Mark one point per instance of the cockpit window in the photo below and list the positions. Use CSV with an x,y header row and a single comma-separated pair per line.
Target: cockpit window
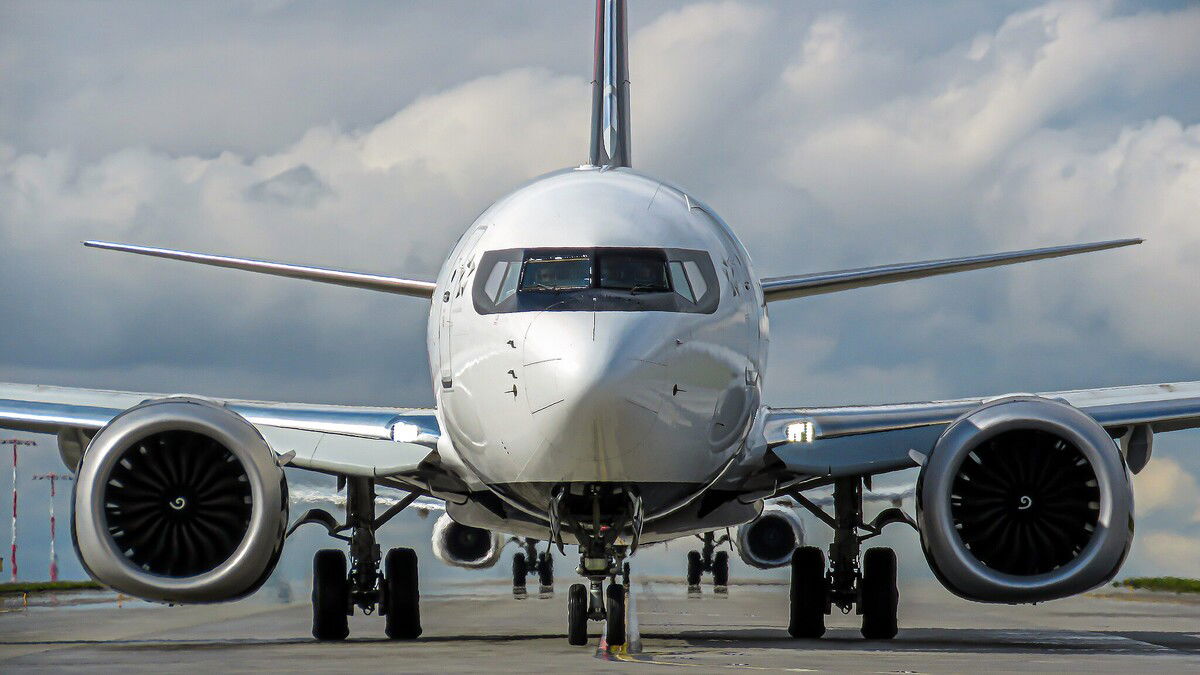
x,y
680,283
600,279
557,273
634,272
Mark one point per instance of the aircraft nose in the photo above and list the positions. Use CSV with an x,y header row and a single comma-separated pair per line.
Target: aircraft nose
x,y
594,385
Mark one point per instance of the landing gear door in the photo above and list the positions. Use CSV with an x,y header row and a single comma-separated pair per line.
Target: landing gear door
x,y
456,293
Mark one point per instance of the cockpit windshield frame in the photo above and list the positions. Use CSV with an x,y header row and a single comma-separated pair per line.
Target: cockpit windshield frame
x,y
606,279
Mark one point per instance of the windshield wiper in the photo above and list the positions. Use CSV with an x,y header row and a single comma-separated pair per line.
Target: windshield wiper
x,y
633,290
543,287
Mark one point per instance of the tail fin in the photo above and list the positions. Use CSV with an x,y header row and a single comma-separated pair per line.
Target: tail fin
x,y
610,87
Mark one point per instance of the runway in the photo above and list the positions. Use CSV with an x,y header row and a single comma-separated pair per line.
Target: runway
x,y
481,628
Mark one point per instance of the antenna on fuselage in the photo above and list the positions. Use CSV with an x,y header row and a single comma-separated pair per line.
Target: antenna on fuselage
x,y
610,87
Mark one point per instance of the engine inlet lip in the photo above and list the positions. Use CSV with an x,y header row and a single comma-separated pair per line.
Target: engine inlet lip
x,y
90,525
964,574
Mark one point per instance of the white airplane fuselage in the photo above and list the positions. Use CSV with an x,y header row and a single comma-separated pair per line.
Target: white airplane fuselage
x,y
566,394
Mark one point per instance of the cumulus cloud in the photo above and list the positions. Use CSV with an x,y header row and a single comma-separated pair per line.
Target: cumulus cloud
x,y
827,135
1165,485
1172,553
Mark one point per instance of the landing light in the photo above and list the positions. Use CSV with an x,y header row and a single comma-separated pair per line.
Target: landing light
x,y
801,432
403,432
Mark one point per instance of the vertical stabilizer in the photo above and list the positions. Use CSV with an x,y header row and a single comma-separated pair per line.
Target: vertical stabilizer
x,y
610,87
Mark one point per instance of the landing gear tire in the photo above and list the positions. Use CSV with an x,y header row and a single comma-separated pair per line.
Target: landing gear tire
x,y
809,590
330,596
577,614
694,568
625,574
615,617
402,595
520,570
721,569
879,595
545,568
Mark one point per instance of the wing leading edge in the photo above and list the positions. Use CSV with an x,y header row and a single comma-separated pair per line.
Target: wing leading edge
x,y
799,286
372,282
871,439
353,441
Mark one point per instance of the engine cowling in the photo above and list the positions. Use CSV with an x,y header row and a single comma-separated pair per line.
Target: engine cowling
x,y
768,540
465,546
1022,500
180,500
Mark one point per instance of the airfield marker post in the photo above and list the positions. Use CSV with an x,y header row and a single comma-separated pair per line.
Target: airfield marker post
x,y
14,442
53,478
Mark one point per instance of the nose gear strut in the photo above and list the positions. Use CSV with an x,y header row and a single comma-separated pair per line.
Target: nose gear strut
x,y
598,515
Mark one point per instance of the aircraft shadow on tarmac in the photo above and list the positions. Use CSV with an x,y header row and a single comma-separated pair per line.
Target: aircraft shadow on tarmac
x,y
920,640
1031,641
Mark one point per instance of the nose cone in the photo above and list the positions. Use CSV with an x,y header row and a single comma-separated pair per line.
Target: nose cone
x,y
595,383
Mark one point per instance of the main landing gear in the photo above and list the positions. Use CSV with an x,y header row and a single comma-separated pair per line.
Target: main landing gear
x,y
870,588
528,562
338,588
708,559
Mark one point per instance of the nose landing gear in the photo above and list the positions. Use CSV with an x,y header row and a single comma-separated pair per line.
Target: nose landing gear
x,y
707,559
595,602
871,588
600,556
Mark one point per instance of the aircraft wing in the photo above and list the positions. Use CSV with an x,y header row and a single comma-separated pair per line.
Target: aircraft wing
x,y
804,285
873,439
344,440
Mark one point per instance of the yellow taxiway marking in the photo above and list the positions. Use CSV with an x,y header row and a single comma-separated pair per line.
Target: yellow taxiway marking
x,y
620,653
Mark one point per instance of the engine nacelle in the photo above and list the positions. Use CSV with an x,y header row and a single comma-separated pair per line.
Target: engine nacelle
x,y
1024,499
180,500
465,546
768,540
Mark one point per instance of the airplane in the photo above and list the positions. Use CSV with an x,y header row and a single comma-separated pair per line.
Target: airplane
x,y
597,348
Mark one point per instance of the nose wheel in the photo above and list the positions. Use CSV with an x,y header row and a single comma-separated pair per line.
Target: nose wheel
x,y
596,601
577,615
601,558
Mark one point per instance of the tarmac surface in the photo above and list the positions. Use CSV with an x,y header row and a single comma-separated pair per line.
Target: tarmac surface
x,y
482,628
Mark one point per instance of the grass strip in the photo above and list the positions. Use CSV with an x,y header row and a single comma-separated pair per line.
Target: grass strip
x,y
43,586
1168,584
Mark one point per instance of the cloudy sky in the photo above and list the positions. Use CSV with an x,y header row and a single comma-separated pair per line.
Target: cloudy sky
x,y
367,136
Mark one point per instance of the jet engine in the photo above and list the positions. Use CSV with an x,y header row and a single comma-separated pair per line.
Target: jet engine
x,y
180,500
465,546
768,540
1024,499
